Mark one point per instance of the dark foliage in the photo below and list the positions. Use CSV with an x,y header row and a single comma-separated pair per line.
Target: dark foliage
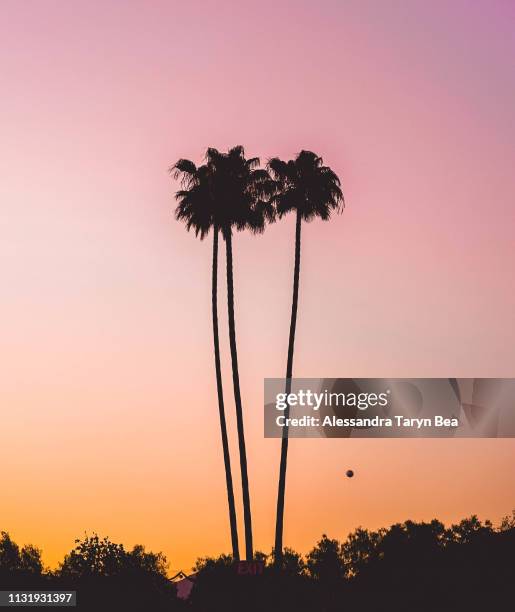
x,y
410,566
229,192
104,574
306,186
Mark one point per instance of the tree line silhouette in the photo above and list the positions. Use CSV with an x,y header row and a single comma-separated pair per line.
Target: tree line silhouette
x,y
231,193
408,566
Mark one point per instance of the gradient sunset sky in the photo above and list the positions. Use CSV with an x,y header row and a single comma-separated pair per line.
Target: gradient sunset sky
x,y
107,389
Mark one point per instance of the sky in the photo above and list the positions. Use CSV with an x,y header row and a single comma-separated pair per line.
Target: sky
x,y
107,389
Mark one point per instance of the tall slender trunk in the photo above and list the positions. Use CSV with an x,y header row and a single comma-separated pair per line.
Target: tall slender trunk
x,y
221,409
279,524
237,400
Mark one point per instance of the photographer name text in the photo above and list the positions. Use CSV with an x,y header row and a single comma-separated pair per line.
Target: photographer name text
x,y
394,421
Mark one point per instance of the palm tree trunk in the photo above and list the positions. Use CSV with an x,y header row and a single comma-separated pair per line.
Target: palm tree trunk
x,y
221,409
279,524
237,400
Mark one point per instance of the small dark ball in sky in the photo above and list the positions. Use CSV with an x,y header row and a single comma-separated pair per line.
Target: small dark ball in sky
x,y
349,473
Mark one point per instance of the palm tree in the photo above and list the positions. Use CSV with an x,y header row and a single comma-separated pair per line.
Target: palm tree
x,y
197,210
310,189
243,192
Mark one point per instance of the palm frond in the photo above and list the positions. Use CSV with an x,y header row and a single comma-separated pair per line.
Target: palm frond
x,y
253,162
306,185
236,151
183,168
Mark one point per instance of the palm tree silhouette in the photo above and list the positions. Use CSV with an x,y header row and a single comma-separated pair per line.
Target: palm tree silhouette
x,y
197,209
311,190
242,195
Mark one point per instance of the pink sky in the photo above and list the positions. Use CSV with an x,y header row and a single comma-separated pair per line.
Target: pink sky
x,y
107,387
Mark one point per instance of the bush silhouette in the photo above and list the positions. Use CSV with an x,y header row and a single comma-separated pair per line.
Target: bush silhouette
x,y
408,566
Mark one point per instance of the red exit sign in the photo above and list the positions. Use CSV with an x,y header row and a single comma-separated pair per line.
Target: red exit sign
x,y
249,568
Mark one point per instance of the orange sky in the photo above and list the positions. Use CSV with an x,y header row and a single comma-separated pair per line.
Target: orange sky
x,y
107,388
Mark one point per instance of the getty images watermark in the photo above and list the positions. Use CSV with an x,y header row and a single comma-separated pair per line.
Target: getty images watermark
x,y
390,407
